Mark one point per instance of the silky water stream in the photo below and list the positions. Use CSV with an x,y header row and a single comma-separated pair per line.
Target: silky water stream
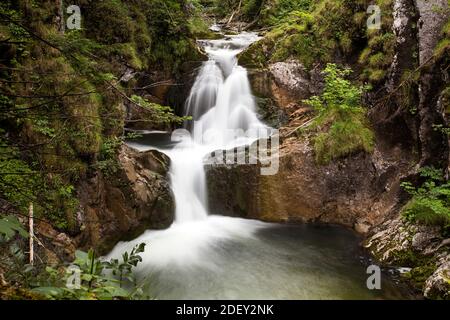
x,y
205,256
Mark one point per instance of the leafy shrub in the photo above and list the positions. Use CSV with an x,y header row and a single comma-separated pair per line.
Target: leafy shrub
x,y
99,280
277,10
341,122
9,226
160,114
430,203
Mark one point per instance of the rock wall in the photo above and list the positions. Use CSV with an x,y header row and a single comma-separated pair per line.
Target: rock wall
x,y
120,207
357,192
434,77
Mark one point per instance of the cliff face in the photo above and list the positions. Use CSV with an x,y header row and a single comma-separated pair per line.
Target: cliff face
x,y
407,137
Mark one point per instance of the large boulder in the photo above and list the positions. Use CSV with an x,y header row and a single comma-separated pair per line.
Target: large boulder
x,y
136,198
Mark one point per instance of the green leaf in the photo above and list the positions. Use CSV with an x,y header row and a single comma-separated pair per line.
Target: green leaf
x,y
49,291
10,225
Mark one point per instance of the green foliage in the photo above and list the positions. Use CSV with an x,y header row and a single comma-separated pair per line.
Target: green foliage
x,y
123,269
107,161
430,203
267,12
9,226
312,32
275,11
419,275
14,261
95,280
144,33
21,184
197,24
17,179
62,103
160,114
108,22
443,47
341,121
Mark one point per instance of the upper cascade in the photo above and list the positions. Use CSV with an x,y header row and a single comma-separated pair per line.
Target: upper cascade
x,y
221,99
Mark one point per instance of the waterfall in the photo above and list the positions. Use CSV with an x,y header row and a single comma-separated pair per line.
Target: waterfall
x,y
220,103
203,94
206,256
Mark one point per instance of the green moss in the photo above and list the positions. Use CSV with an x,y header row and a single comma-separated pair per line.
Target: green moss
x,y
127,53
419,275
108,22
408,258
254,56
376,75
446,99
377,60
442,47
377,57
312,32
343,138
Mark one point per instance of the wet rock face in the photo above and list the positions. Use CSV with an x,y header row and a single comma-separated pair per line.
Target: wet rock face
x,y
356,192
136,198
57,246
406,47
417,27
433,80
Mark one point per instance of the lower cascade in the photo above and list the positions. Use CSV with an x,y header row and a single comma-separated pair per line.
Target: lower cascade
x,y
205,256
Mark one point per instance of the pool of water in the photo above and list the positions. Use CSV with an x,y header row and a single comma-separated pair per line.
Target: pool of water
x,y
230,258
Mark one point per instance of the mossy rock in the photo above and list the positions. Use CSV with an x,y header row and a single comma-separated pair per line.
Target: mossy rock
x,y
419,275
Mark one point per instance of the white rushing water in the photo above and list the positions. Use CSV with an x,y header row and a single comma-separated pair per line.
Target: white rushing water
x,y
220,103
211,257
223,111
